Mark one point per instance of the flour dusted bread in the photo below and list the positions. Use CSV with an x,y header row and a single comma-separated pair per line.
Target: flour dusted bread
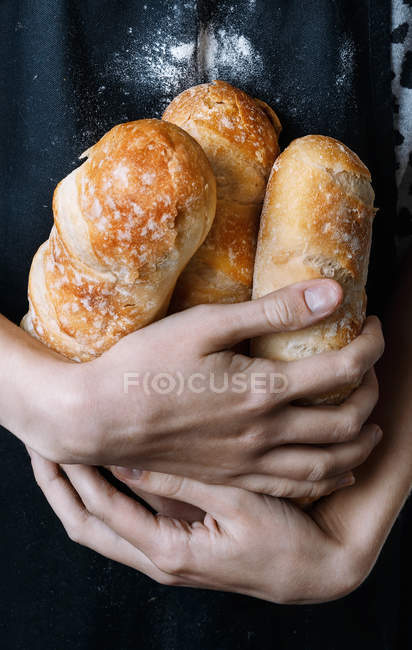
x,y
126,222
316,222
240,138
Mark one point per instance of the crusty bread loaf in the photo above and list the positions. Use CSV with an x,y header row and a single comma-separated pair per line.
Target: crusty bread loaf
x,y
240,138
126,222
316,222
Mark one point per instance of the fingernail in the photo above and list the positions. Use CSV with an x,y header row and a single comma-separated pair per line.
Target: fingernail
x,y
378,435
347,479
131,473
321,298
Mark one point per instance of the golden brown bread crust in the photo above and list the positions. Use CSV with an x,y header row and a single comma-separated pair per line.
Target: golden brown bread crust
x,y
240,138
126,223
316,222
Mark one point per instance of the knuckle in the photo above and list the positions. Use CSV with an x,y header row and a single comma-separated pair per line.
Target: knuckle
x,y
281,488
319,489
315,491
258,403
254,441
266,387
378,338
380,347
370,387
75,532
172,485
237,362
364,449
350,423
91,505
99,504
351,367
322,466
278,313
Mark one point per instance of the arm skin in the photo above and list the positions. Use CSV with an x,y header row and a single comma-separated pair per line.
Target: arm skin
x,y
384,482
36,394
249,543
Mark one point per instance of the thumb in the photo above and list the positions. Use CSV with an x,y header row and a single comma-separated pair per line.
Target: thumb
x,y
291,308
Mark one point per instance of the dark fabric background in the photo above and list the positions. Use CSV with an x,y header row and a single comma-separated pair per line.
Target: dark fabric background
x,y
67,75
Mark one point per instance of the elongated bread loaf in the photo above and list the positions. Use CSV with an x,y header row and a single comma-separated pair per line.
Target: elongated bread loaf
x,y
240,138
316,222
126,222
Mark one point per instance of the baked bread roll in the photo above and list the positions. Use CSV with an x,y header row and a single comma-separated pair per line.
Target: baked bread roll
x,y
125,224
316,222
240,138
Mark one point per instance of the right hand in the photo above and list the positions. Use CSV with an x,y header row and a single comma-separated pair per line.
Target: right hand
x,y
260,441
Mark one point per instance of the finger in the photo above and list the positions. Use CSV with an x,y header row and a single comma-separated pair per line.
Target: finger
x,y
81,526
168,507
293,307
214,499
311,463
104,501
330,371
285,488
329,424
169,543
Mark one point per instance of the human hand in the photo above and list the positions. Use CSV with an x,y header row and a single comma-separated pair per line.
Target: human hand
x,y
247,543
332,455
260,441
42,396
80,413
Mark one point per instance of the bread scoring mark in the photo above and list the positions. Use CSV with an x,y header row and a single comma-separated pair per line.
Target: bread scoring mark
x,y
239,139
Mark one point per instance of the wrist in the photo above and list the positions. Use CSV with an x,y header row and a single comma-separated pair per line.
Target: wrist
x,y
63,405
42,397
120,416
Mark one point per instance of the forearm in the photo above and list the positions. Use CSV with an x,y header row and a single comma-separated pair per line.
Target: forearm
x,y
34,389
385,480
392,464
394,409
17,353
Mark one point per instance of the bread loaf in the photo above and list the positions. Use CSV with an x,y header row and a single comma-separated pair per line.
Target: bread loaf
x,y
240,138
126,222
316,222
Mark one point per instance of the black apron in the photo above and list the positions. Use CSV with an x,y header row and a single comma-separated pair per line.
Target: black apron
x,y
69,70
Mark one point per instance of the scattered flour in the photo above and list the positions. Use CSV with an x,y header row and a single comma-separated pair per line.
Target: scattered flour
x,y
225,52
182,52
346,64
165,65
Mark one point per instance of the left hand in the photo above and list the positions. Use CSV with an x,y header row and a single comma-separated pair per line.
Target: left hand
x,y
247,543
355,453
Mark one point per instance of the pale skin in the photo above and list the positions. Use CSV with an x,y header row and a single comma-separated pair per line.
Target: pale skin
x,y
250,543
80,413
